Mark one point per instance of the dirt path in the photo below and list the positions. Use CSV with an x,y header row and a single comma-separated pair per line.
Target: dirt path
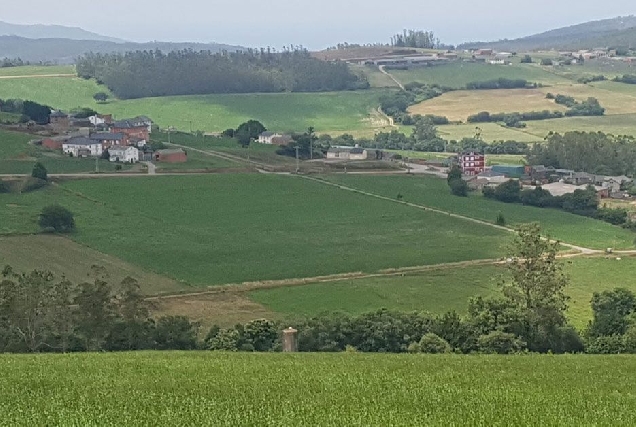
x,y
36,76
397,82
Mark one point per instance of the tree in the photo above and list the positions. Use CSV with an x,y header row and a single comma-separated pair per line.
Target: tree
x,y
100,97
508,192
527,59
501,220
57,219
175,333
611,312
498,342
454,174
248,131
95,313
537,288
459,187
39,171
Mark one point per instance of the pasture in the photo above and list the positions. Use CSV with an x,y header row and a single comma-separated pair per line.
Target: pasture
x,y
36,70
336,112
198,388
489,132
217,229
434,192
458,74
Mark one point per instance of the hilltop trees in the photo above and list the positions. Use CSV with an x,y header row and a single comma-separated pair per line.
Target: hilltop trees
x,y
415,38
153,73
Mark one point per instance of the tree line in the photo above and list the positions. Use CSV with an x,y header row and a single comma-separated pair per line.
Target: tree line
x,y
40,313
626,78
186,72
592,152
415,39
28,110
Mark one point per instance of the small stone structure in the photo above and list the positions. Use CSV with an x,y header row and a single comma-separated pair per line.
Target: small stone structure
x,y
290,340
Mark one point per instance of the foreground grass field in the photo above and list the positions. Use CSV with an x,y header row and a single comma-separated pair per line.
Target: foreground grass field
x,y
234,227
175,389
433,192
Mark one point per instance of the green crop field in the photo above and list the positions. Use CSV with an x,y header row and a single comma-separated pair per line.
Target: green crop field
x,y
459,74
489,132
433,192
208,230
336,112
176,389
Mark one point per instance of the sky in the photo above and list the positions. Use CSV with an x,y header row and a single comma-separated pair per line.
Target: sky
x,y
314,24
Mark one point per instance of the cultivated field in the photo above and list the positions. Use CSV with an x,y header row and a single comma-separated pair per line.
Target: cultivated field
x,y
433,192
175,389
488,131
210,230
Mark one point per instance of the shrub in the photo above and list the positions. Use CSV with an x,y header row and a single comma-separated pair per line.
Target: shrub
x,y
459,187
39,171
57,218
498,342
434,344
500,219
32,184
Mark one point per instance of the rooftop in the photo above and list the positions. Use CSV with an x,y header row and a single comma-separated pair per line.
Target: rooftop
x,y
80,140
107,136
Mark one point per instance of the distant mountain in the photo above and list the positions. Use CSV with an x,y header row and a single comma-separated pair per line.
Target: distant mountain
x,y
613,32
65,51
39,31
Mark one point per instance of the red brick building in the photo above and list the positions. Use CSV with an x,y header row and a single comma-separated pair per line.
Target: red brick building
x,y
131,130
52,144
472,163
171,156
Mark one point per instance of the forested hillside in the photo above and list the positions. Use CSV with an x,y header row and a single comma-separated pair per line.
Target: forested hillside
x,y
153,73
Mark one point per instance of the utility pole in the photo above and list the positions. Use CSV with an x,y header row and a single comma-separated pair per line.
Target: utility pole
x,y
297,161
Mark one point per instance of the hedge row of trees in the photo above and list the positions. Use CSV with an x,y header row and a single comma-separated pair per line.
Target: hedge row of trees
x,y
626,78
29,110
592,152
501,83
40,313
153,73
580,202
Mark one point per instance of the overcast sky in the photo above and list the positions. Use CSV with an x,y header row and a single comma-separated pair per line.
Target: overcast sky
x,y
314,24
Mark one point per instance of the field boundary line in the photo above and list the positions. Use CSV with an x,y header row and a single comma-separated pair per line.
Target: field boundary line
x,y
392,77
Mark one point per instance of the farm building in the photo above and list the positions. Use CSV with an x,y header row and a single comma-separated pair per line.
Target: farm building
x,y
131,129
82,147
511,171
274,138
353,153
171,156
59,120
126,154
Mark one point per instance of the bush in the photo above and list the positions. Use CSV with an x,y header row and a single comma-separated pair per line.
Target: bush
x,y
39,171
459,187
508,192
498,342
546,62
434,344
500,219
57,219
32,184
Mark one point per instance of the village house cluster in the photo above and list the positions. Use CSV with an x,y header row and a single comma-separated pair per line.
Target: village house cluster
x,y
122,141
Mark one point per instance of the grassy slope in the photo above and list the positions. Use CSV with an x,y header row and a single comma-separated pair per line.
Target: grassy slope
x,y
66,258
173,389
234,228
327,112
434,192
37,70
441,290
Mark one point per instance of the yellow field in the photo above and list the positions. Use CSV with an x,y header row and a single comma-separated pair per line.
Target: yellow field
x,y
458,105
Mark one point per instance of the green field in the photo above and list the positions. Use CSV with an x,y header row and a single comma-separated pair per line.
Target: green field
x,y
459,74
336,112
433,192
176,389
440,290
209,230
37,70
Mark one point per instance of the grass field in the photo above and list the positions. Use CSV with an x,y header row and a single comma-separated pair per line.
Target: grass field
x,y
175,389
489,132
458,74
208,230
37,70
336,112
433,192
623,124
440,290
66,258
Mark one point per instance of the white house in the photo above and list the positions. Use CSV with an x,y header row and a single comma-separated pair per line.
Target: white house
x,y
267,137
97,120
82,147
125,154
353,153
